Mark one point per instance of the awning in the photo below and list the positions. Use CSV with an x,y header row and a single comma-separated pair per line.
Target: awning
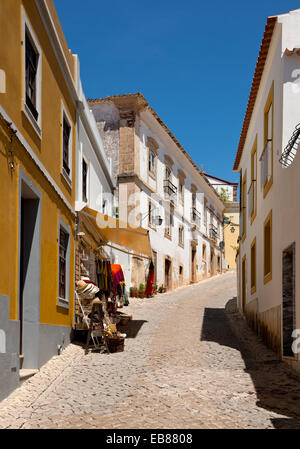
x,y
112,230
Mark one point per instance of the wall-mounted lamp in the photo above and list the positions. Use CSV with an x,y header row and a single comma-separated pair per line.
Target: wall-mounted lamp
x,y
13,132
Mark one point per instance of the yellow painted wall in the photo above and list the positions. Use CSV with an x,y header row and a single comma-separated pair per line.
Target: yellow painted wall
x,y
230,239
48,150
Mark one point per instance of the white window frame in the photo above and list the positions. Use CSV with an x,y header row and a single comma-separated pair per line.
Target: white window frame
x,y
64,302
64,114
181,196
152,214
168,220
181,227
36,124
84,158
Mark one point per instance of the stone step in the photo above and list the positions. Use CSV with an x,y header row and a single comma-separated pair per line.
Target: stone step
x,y
26,373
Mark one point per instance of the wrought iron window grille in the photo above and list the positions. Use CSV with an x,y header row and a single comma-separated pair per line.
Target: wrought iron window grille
x,y
289,153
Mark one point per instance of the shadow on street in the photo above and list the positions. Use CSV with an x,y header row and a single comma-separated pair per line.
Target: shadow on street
x,y
132,328
277,385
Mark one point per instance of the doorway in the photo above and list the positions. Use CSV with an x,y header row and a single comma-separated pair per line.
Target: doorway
x,y
29,271
193,263
288,300
204,259
168,280
212,262
244,283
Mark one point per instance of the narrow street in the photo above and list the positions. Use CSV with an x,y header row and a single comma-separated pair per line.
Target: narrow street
x,y
183,367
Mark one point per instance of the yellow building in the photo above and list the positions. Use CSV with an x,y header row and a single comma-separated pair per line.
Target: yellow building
x,y
37,194
231,233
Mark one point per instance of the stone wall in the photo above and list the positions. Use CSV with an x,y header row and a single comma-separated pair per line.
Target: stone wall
x,y
107,117
266,324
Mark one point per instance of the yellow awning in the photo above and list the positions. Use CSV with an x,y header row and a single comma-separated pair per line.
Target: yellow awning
x,y
112,230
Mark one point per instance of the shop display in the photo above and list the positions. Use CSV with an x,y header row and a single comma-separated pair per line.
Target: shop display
x,y
98,306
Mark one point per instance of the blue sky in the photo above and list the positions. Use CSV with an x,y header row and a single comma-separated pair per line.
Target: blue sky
x,y
192,60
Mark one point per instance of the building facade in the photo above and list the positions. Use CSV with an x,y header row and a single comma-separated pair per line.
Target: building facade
x,y
228,192
268,164
161,189
37,175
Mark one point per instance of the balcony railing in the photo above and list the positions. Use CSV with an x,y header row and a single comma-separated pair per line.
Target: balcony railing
x,y
170,190
195,216
266,161
251,197
213,232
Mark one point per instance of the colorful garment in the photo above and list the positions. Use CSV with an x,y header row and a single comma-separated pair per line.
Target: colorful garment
x,y
149,289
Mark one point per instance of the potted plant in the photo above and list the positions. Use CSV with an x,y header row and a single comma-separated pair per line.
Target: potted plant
x,y
155,288
142,291
162,289
133,292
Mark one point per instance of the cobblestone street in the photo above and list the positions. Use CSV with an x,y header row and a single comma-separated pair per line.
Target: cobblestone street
x,y
189,362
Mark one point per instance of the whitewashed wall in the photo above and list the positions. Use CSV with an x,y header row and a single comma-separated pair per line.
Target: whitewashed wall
x,y
182,214
283,196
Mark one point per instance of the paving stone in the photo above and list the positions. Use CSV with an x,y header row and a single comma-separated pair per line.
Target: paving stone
x,y
193,363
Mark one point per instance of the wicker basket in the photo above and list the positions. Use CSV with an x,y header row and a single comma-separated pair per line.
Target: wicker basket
x,y
115,344
124,320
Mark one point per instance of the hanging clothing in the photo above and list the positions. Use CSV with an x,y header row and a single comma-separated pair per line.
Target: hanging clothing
x,y
118,276
150,281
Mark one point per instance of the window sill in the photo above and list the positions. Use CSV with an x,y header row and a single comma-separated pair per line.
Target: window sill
x,y
168,236
181,245
63,303
253,290
267,278
26,111
66,177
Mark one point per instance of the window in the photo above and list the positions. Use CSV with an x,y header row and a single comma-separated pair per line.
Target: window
x,y
181,235
252,193
267,154
253,267
181,191
63,245
268,248
63,264
84,180
66,140
168,224
151,214
66,146
31,65
152,162
168,174
193,199
104,207
31,77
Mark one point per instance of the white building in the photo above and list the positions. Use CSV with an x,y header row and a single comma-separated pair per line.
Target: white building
x,y
223,187
228,192
156,178
269,167
95,188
